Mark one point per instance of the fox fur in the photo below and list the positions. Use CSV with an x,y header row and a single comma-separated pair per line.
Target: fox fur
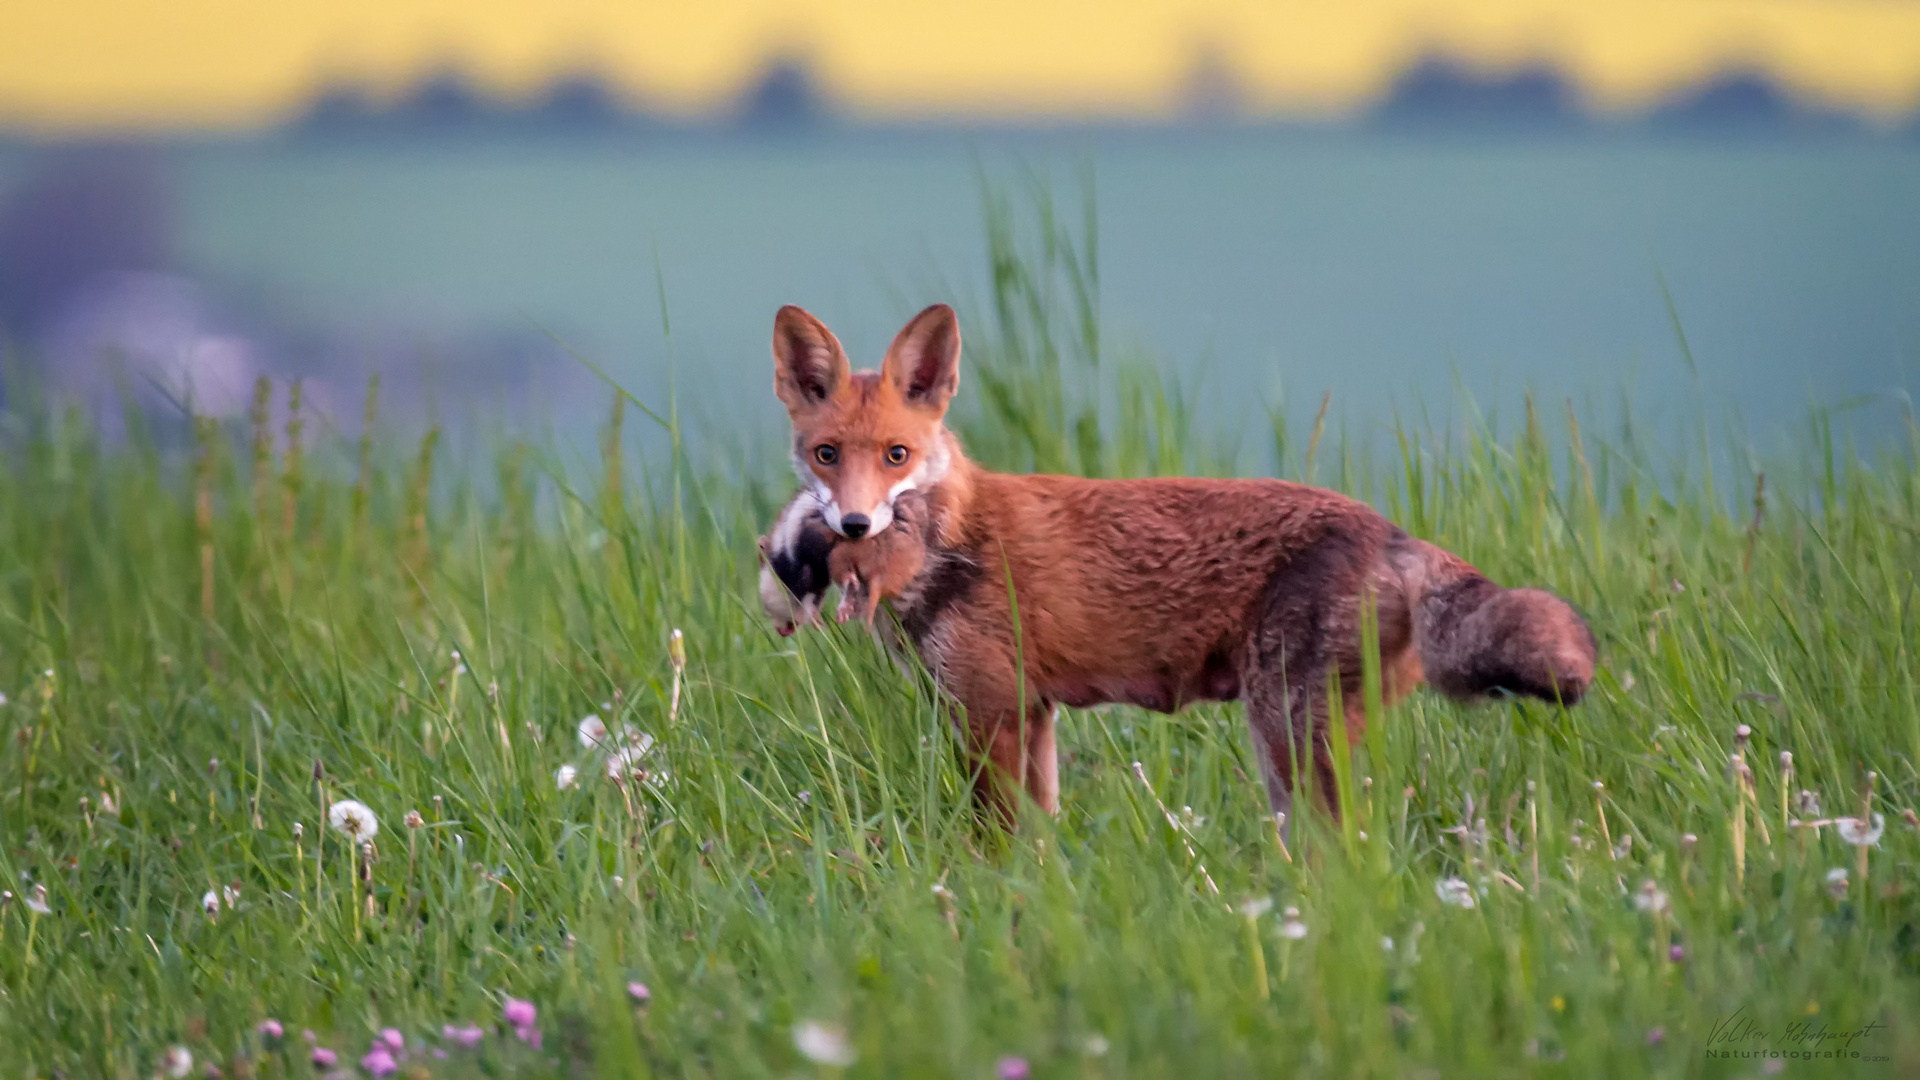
x,y
1156,592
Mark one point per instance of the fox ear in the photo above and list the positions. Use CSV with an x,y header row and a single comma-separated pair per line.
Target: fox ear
x,y
809,366
923,363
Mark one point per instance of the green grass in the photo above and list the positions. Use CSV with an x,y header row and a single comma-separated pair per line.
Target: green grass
x,y
786,867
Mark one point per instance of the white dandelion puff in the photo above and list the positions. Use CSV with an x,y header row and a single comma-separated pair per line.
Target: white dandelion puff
x,y
1859,832
414,819
1650,898
592,731
1807,803
1837,881
177,1061
1095,1045
823,1044
355,819
628,760
563,776
36,900
1454,891
1256,907
1291,927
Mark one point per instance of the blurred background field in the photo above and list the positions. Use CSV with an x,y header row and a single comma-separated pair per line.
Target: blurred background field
x,y
1390,201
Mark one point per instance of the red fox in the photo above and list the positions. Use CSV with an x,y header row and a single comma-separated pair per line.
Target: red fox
x,y
1157,593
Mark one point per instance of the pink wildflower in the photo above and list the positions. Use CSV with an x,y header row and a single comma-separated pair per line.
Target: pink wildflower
x,y
271,1029
1012,1068
638,991
394,1041
379,1061
324,1058
468,1036
518,1013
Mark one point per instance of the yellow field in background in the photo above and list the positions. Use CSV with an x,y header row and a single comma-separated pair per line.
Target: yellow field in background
x,y
77,64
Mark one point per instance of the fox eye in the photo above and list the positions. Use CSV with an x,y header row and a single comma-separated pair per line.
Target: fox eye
x,y
896,455
826,454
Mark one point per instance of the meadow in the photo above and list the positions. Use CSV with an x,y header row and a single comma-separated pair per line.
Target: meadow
x,y
212,633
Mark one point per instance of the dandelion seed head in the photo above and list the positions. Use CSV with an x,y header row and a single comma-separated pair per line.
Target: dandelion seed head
x,y
414,819
1254,907
36,900
1291,927
1454,891
564,776
1807,803
592,731
1095,1045
1860,832
1837,881
1651,898
355,819
177,1061
823,1044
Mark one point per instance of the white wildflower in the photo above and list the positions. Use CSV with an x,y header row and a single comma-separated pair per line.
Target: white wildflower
x,y
230,894
592,731
1257,906
1651,898
1386,943
1454,891
1095,1045
563,776
3,700
355,819
1291,927
823,1044
177,1061
36,900
109,806
211,902
1858,832
1837,881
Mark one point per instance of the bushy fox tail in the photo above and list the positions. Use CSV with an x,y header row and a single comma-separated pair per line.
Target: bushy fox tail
x,y
1476,638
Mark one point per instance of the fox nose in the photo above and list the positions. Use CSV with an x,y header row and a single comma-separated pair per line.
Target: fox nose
x,y
855,525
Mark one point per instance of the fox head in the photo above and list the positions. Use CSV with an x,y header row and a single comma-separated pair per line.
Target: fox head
x,y
862,439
